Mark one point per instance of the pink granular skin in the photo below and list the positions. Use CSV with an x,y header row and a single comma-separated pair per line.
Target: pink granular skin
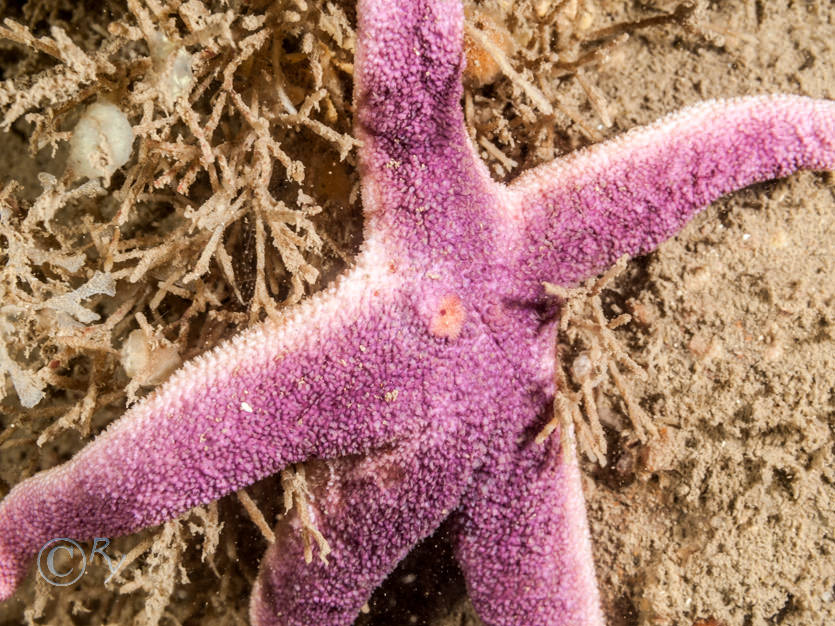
x,y
419,380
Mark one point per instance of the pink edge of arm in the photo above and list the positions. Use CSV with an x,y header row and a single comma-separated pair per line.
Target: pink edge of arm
x,y
627,195
422,180
278,393
523,541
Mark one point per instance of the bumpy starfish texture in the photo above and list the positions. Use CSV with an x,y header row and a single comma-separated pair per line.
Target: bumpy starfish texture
x,y
418,382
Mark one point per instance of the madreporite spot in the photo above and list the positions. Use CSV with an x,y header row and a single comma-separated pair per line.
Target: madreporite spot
x,y
448,318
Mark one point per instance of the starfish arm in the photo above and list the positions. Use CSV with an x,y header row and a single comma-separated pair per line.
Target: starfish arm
x,y
408,73
523,541
371,511
339,376
421,178
582,212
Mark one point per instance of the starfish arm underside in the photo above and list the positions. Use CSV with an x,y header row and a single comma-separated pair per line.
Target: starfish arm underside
x,y
626,196
421,178
339,376
372,511
523,541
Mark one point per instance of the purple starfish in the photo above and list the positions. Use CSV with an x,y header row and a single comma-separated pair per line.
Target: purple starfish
x,y
421,378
